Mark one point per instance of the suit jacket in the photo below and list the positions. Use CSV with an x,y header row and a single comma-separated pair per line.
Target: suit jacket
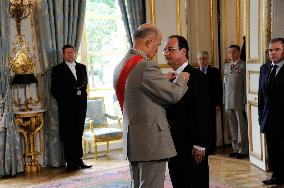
x,y
189,118
147,93
271,103
235,86
215,86
64,88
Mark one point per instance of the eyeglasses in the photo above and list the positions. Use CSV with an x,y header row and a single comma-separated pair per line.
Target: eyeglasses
x,y
169,49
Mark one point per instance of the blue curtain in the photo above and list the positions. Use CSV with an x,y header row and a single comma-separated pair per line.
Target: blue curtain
x,y
11,157
133,14
58,22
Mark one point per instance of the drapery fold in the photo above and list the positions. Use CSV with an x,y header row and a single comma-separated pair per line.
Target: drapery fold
x,y
59,22
11,156
133,14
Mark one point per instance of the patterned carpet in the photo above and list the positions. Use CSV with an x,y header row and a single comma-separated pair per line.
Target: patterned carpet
x,y
114,178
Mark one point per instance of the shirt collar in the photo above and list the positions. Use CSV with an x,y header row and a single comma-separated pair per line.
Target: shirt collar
x,y
180,69
143,54
235,62
279,64
205,68
70,64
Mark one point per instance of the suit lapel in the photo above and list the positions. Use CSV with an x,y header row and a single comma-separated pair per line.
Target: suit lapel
x,y
268,69
208,72
277,77
280,72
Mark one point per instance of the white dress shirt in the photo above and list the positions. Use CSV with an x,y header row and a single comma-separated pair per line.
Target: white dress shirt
x,y
72,68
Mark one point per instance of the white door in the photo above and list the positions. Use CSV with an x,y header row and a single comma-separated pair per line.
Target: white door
x,y
257,38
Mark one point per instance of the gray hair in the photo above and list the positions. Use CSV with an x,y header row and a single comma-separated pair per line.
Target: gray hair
x,y
142,33
277,40
203,53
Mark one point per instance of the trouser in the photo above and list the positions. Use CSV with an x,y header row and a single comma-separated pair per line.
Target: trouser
x,y
238,129
185,173
148,174
71,122
275,149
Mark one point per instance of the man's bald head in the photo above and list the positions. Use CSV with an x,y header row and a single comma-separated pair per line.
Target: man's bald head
x,y
147,38
145,30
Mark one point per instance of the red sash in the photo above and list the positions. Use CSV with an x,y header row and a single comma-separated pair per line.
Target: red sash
x,y
120,86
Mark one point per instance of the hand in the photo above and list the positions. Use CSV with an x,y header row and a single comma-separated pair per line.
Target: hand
x,y
198,155
218,108
171,76
185,76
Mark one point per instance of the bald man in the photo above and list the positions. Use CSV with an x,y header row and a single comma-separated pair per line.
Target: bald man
x,y
143,93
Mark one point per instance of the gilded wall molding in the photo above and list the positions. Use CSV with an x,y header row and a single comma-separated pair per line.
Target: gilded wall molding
x,y
252,152
152,12
249,59
238,25
250,91
271,16
186,19
224,28
178,17
212,32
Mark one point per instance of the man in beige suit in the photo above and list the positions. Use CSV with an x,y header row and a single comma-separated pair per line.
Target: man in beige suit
x,y
235,102
143,93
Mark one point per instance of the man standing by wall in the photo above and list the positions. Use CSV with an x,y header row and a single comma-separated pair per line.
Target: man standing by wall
x,y
189,121
215,91
143,93
235,102
271,108
68,86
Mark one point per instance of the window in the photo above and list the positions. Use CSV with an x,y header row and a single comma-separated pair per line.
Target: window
x,y
104,44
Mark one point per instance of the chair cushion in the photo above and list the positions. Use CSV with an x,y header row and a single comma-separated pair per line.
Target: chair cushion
x,y
104,134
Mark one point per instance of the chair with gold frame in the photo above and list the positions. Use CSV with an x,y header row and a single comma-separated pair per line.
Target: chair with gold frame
x,y
97,127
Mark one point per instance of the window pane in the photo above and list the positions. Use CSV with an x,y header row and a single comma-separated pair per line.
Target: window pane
x,y
100,70
100,8
101,34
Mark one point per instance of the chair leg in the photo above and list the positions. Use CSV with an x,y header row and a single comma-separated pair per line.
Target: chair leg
x,y
107,150
96,150
90,146
85,145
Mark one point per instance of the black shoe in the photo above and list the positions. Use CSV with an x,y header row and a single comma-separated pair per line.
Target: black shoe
x,y
242,156
71,167
83,165
272,180
233,154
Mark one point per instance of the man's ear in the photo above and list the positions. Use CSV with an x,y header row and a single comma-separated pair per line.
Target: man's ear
x,y
148,43
183,50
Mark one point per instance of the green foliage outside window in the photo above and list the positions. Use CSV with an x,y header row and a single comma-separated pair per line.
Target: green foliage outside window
x,y
104,40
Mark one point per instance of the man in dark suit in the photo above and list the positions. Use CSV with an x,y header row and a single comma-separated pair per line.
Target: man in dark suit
x,y
189,120
271,107
68,86
215,90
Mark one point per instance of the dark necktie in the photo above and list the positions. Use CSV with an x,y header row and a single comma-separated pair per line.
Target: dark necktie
x,y
203,70
232,66
272,76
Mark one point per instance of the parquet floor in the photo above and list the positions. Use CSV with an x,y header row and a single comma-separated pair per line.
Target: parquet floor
x,y
233,172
